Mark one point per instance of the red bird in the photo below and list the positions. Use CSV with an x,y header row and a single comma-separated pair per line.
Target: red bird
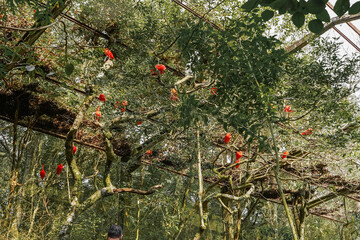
x,y
122,109
161,68
139,123
174,97
59,169
285,154
74,149
42,173
288,108
213,90
102,97
238,165
227,138
98,114
307,132
238,155
148,152
109,53
174,94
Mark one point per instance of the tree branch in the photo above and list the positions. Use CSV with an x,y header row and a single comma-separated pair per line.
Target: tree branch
x,y
29,29
137,191
31,36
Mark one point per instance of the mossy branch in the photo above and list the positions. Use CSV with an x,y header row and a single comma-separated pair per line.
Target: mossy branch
x,y
70,137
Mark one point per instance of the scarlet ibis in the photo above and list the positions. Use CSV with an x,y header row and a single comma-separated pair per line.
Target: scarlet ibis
x,y
161,68
109,53
227,138
42,173
59,168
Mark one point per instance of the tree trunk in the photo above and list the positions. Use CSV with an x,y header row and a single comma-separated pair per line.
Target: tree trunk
x,y
227,219
238,221
283,199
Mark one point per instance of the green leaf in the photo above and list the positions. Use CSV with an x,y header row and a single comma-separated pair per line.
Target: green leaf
x,y
298,19
293,5
315,6
316,26
250,4
283,9
323,16
341,6
267,15
332,187
69,68
277,4
355,8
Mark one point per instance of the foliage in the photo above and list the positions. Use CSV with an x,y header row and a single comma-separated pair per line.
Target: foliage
x,y
299,9
254,78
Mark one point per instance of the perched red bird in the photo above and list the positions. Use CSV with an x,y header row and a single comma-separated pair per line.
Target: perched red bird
x,y
98,114
307,132
109,53
102,97
288,108
42,172
139,123
161,68
238,155
59,169
74,149
174,95
148,152
285,154
213,90
238,165
227,138
122,109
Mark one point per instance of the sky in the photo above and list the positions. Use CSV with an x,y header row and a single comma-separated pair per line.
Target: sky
x,y
351,34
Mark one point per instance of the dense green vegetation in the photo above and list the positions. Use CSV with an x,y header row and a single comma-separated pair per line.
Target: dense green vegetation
x,y
154,156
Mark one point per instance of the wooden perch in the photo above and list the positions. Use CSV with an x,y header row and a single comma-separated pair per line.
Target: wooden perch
x,y
328,197
125,118
137,191
183,80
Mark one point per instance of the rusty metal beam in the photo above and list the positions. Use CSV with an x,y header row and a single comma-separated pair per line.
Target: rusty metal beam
x,y
348,23
201,17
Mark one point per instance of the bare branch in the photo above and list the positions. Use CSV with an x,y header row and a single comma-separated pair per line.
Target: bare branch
x,y
137,191
183,80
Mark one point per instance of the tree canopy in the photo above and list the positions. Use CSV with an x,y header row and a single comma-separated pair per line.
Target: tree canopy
x,y
177,120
